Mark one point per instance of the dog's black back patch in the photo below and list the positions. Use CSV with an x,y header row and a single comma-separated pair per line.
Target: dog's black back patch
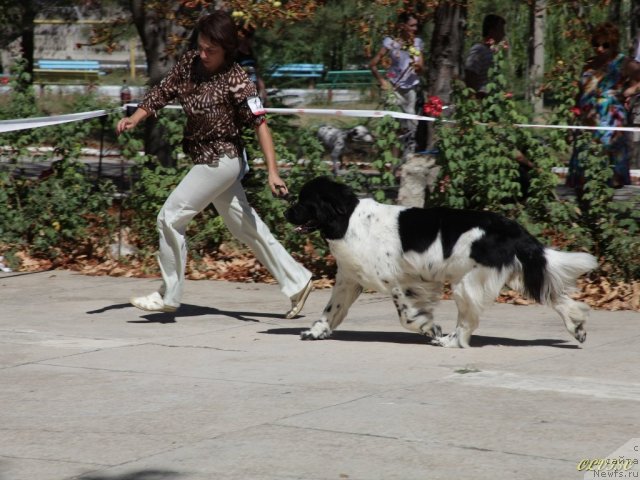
x,y
502,242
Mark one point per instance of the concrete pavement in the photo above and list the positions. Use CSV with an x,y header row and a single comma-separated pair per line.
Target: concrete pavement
x,y
93,389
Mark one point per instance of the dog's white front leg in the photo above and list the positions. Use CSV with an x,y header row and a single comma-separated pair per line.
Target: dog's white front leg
x,y
344,293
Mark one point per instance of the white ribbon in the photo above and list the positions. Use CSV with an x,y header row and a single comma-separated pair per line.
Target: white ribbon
x,y
409,116
37,122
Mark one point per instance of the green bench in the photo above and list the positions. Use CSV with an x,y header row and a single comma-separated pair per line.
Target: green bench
x,y
66,71
292,73
349,79
297,70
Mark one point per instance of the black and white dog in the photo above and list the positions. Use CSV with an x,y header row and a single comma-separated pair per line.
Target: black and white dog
x,y
409,252
338,141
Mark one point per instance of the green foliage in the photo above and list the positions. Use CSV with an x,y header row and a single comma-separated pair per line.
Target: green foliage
x,y
387,150
21,104
51,217
65,212
479,150
610,226
479,171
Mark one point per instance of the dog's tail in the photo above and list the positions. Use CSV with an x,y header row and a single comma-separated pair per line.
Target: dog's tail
x,y
547,273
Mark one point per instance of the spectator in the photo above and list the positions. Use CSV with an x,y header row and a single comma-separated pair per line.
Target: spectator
x,y
480,58
403,75
634,112
604,89
476,76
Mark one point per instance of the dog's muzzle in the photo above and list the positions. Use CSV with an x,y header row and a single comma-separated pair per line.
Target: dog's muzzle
x,y
301,226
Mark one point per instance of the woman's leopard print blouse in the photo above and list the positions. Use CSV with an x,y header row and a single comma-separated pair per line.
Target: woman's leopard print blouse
x,y
215,105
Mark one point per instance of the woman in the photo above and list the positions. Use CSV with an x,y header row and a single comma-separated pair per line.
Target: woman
x,y
403,75
603,92
219,101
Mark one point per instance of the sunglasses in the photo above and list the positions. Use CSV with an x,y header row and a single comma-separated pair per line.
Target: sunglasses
x,y
604,45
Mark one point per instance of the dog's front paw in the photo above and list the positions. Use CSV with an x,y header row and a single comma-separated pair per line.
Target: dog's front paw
x,y
318,331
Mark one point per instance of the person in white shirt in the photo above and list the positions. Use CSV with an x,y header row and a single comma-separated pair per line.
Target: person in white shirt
x,y
403,75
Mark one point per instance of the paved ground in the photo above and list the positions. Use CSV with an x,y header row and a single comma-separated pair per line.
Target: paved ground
x,y
93,389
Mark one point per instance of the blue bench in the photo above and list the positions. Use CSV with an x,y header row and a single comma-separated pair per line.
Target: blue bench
x,y
297,70
64,71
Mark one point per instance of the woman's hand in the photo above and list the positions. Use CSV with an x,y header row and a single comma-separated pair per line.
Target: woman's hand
x,y
278,187
385,86
126,123
631,91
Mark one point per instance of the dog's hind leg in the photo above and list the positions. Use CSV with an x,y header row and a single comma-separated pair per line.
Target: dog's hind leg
x,y
415,305
468,320
472,293
344,293
574,314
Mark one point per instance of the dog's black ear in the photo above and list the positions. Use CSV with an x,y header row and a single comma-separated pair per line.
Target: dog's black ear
x,y
339,198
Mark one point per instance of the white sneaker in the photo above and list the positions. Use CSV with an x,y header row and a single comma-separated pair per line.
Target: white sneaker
x,y
152,303
297,301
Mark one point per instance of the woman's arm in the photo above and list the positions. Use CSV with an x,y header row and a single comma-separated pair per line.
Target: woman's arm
x,y
277,186
632,74
157,97
373,66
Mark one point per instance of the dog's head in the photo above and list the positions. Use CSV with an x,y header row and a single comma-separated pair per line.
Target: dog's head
x,y
323,204
360,134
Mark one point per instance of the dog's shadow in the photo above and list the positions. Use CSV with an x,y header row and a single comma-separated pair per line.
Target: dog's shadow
x,y
188,310
415,339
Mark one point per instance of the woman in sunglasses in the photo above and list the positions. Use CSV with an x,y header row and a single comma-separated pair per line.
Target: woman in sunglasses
x,y
607,79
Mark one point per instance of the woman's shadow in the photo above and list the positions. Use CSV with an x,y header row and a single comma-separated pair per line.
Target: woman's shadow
x,y
188,310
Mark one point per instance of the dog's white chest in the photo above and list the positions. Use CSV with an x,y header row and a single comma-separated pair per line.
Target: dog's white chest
x,y
370,258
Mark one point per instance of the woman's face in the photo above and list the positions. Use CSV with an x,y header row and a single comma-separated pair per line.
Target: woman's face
x,y
602,47
410,28
211,54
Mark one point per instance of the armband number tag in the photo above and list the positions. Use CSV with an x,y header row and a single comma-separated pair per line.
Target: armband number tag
x,y
255,104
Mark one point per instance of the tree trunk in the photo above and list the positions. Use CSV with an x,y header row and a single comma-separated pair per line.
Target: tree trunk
x,y
634,21
615,11
537,22
443,66
156,28
27,39
447,43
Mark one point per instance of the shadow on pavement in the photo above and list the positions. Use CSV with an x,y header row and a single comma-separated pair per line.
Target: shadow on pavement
x,y
140,475
117,306
414,338
187,310
359,336
481,341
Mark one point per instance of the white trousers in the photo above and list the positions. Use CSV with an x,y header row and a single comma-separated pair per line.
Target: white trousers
x,y
220,185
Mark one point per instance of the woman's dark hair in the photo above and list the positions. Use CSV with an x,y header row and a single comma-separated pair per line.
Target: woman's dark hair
x,y
404,17
218,27
606,32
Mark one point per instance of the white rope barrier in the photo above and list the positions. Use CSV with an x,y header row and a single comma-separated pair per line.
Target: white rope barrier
x,y
409,116
37,122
